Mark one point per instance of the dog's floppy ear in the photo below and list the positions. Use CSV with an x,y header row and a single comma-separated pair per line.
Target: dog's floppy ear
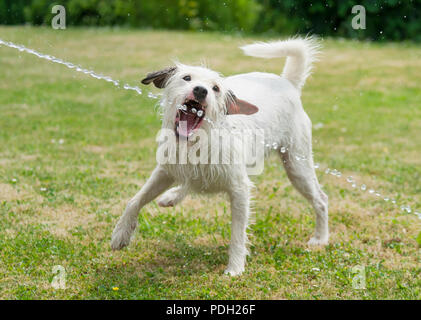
x,y
159,78
238,106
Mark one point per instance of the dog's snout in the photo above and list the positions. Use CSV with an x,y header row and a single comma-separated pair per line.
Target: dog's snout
x,y
200,92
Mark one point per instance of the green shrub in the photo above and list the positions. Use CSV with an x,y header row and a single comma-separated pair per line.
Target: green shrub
x,y
386,19
232,15
11,11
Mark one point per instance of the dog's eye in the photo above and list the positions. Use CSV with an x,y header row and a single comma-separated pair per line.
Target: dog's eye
x,y
215,88
187,78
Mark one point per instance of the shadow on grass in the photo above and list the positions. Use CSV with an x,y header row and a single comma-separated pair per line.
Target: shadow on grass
x,y
162,274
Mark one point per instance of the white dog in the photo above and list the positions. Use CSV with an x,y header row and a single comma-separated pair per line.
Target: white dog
x,y
252,100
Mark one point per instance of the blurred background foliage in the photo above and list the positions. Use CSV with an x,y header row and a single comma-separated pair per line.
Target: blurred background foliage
x,y
386,20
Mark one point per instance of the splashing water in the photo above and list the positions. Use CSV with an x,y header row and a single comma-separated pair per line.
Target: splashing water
x,y
77,68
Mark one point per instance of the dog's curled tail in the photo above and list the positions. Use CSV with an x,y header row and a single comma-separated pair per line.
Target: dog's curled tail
x,y
300,53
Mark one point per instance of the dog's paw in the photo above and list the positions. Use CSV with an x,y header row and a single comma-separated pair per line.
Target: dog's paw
x,y
119,240
121,236
233,272
318,241
168,199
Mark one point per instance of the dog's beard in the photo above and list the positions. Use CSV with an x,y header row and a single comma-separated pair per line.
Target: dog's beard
x,y
189,118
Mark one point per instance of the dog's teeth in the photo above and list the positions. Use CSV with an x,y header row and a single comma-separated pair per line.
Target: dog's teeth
x,y
193,110
200,113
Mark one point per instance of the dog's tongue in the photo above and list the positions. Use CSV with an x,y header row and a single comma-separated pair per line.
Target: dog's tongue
x,y
186,124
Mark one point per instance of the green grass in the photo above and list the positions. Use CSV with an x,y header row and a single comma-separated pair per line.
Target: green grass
x,y
59,202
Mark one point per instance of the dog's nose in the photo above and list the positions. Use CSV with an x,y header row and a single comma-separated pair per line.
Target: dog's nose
x,y
200,93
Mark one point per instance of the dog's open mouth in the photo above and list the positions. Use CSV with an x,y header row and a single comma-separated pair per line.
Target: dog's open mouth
x,y
189,118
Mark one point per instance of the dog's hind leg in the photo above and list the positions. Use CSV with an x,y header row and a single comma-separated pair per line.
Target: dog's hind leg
x,y
173,196
157,183
240,211
301,173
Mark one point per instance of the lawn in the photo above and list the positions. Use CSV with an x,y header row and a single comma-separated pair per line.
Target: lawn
x,y
74,150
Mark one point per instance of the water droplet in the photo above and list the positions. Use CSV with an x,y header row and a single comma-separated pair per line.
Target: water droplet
x,y
274,146
371,191
152,96
363,187
283,149
350,179
318,126
354,185
208,120
316,165
327,170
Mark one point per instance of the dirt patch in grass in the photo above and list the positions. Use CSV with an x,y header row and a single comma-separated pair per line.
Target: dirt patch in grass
x,y
8,193
61,221
12,193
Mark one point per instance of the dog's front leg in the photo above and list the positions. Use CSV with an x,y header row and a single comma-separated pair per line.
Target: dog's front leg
x,y
158,182
240,210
